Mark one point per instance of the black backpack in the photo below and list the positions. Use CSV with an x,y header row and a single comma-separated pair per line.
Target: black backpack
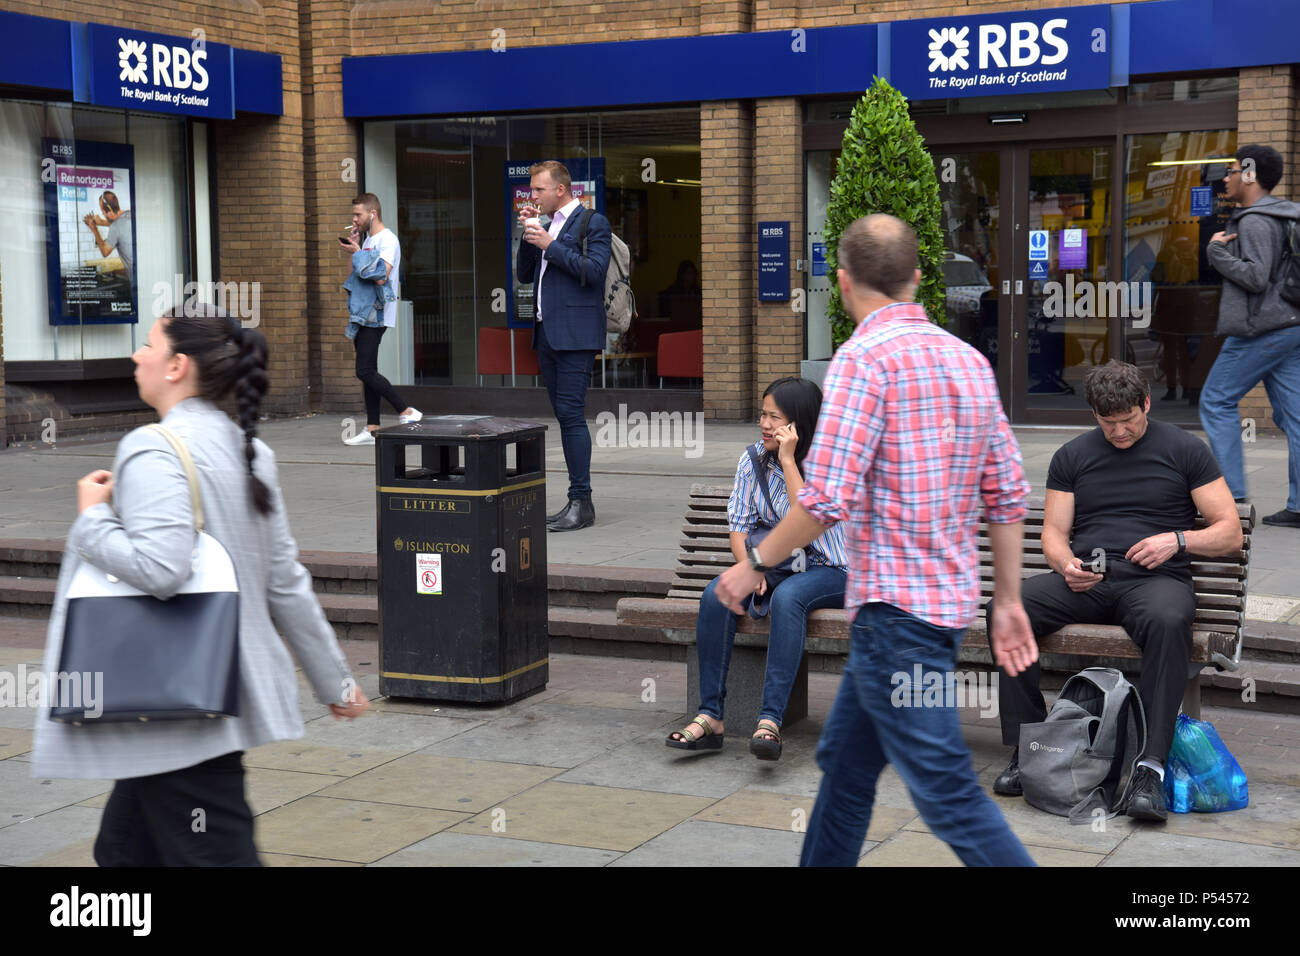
x,y
1288,268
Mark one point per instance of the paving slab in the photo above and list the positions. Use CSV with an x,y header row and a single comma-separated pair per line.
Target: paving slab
x,y
23,796
446,783
783,811
1155,847
698,843
26,842
310,758
605,818
14,741
551,735
1271,819
349,830
463,849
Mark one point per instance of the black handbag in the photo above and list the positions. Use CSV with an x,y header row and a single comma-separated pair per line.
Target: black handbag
x,y
137,658
758,605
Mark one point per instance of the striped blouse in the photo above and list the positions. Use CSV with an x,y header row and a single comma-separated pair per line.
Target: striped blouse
x,y
747,507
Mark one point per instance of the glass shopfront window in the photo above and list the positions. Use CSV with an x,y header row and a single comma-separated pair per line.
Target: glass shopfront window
x,y
94,223
452,183
1173,204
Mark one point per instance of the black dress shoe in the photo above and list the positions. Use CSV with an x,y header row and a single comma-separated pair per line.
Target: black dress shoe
x,y
551,519
1008,782
1146,801
1284,519
579,513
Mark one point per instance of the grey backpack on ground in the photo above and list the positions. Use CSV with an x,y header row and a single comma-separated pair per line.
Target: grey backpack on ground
x,y
1083,757
620,303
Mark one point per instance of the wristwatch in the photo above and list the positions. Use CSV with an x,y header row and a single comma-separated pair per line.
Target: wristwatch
x,y
1182,542
756,563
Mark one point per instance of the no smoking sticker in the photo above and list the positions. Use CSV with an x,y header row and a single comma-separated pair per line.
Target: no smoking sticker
x,y
428,573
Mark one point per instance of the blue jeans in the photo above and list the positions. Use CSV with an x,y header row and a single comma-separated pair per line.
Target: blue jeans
x,y
715,633
865,731
1274,358
566,374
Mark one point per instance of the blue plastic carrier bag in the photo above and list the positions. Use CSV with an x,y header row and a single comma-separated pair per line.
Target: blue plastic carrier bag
x,y
1201,776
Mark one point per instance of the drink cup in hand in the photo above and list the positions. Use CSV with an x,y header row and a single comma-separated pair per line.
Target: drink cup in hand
x,y
533,221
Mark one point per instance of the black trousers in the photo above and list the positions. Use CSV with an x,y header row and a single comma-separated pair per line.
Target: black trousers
x,y
374,385
196,816
1156,609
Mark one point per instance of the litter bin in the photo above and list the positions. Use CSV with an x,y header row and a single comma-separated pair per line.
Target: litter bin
x,y
462,558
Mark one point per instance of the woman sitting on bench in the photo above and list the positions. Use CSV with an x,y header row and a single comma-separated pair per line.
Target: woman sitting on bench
x,y
814,579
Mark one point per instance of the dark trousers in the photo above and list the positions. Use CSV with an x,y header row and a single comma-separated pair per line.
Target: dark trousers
x,y
196,816
566,374
1156,609
374,385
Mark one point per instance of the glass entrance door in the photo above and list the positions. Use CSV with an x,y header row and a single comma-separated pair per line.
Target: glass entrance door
x,y
1073,302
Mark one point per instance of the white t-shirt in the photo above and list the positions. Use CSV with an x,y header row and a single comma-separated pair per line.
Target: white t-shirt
x,y
390,251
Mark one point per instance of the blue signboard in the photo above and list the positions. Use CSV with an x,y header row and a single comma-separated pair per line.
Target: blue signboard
x,y
134,70
1037,271
1043,51
819,258
1038,245
1202,201
773,261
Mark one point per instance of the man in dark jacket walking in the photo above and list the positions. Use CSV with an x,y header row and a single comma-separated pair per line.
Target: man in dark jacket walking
x,y
1261,329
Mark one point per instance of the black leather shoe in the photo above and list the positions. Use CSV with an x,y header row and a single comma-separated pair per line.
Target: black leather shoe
x,y
1146,801
1284,519
578,514
1008,782
551,519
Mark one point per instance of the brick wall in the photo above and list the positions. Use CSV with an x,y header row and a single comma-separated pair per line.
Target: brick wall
x,y
727,253
1266,113
778,194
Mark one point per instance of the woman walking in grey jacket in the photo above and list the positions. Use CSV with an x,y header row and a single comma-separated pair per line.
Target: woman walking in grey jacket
x,y
136,523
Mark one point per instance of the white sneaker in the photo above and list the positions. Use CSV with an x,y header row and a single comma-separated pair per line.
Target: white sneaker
x,y
415,416
363,437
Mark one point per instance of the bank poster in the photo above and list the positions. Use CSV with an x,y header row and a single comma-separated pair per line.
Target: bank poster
x,y
588,188
90,234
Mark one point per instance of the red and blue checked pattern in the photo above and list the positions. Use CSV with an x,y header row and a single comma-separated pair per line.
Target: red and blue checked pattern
x,y
911,441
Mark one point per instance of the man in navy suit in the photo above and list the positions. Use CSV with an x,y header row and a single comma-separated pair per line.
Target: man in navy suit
x,y
569,329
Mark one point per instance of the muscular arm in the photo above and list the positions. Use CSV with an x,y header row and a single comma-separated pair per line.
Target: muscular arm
x,y
1222,532
1058,521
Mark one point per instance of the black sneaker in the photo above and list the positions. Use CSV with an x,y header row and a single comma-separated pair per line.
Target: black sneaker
x,y
1284,519
1146,801
1008,782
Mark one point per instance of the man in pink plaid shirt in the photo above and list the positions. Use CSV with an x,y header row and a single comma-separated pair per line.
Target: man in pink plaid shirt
x,y
911,442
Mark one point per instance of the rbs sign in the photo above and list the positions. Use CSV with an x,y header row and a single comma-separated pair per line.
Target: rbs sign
x,y
147,71
1023,52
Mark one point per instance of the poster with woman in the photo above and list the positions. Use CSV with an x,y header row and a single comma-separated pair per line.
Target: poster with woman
x,y
90,231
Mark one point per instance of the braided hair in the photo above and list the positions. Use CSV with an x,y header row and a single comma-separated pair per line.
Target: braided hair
x,y
231,360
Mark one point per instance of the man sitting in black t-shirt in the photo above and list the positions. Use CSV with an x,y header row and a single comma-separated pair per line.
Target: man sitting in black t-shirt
x,y
1120,501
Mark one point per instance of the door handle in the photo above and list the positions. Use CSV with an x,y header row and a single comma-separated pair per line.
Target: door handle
x,y
1020,287
1006,286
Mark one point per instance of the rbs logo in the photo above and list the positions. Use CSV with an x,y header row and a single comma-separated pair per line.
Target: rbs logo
x,y
1024,45
173,66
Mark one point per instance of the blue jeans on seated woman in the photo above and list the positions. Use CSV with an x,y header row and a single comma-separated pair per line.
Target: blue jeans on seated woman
x,y
715,632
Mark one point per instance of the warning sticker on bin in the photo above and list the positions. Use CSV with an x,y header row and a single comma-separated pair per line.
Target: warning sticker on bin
x,y
428,573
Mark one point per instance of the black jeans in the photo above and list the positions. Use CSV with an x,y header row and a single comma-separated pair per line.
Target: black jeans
x,y
374,385
196,816
1156,609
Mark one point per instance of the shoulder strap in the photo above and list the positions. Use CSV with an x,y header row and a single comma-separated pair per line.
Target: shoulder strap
x,y
187,463
760,476
584,218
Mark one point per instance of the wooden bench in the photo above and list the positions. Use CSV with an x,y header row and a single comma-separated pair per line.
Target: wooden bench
x,y
706,552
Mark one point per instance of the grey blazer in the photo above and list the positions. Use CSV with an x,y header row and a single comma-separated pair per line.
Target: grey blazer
x,y
145,539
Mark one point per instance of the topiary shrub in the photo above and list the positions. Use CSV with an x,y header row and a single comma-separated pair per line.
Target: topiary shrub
x,y
883,167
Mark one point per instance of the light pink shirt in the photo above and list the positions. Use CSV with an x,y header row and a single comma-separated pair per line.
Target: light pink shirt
x,y
557,223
